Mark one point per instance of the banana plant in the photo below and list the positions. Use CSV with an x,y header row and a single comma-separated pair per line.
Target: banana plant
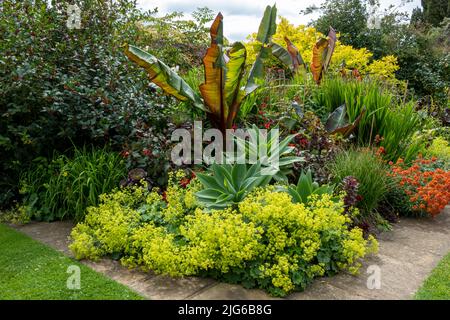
x,y
338,121
227,83
321,58
290,56
322,53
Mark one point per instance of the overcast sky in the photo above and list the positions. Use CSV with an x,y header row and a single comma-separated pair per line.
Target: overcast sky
x,y
242,17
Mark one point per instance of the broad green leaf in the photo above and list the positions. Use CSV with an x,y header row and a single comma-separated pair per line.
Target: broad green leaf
x,y
220,173
281,54
294,194
234,74
256,77
337,119
164,77
268,26
267,29
343,127
289,160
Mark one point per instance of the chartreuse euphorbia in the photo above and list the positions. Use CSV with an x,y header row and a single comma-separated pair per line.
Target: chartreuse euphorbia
x,y
226,81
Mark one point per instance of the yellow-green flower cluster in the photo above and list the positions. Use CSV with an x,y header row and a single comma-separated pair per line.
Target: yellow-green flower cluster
x,y
217,240
268,241
107,228
179,199
439,149
307,233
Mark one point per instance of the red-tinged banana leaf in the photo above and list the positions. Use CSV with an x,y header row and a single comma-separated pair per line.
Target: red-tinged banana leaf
x,y
267,29
164,77
281,54
337,121
235,71
296,58
290,58
331,45
212,89
318,58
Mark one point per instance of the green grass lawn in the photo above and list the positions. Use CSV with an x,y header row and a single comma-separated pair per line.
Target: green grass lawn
x,y
437,286
31,270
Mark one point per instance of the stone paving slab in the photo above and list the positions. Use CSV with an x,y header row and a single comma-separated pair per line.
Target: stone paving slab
x,y
225,291
407,255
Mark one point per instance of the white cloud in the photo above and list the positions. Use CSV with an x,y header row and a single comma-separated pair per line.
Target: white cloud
x,y
242,17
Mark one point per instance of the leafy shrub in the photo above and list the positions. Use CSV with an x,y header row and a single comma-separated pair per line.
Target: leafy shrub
x,y
306,188
64,86
425,184
267,241
304,38
65,187
181,42
369,170
316,146
440,149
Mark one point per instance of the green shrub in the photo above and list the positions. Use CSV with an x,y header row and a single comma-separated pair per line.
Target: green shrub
x,y
267,241
369,170
63,86
305,188
439,148
65,187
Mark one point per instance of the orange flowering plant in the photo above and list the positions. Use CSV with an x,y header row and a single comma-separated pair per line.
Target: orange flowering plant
x,y
425,183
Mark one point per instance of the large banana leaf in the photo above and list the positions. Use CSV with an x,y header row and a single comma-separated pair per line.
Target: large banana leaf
x,y
268,26
322,53
290,57
331,45
281,54
212,89
318,58
267,29
235,71
164,77
296,58
338,121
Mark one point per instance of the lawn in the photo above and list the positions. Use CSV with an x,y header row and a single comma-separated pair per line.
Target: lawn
x,y
437,286
31,270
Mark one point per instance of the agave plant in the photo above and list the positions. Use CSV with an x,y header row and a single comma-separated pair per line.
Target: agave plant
x,y
229,184
275,159
307,187
226,82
